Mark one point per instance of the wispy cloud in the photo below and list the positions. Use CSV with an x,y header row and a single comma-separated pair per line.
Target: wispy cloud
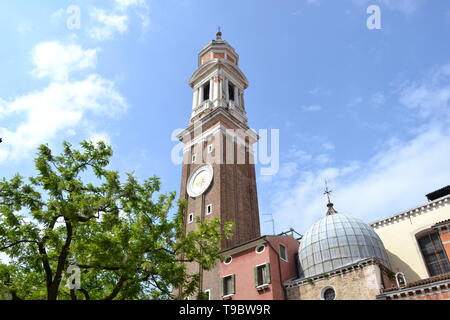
x,y
107,23
404,6
403,169
62,106
56,61
312,108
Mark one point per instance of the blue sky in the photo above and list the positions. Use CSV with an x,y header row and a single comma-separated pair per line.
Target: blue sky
x,y
366,109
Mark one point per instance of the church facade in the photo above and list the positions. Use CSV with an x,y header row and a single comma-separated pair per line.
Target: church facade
x,y
404,256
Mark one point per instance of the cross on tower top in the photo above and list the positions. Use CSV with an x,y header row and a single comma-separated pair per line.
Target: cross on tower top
x,y
219,33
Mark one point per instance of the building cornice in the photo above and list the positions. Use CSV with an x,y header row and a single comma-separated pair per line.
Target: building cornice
x,y
206,68
412,212
210,116
240,139
244,246
337,272
418,289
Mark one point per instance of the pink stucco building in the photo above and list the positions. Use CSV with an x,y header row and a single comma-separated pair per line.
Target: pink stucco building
x,y
256,270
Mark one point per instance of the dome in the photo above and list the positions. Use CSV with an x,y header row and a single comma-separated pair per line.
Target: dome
x,y
338,240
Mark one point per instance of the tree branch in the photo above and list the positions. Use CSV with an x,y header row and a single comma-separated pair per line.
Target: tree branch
x,y
16,243
53,292
117,288
155,282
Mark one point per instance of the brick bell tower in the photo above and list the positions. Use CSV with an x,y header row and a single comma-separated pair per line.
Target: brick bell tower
x,y
218,175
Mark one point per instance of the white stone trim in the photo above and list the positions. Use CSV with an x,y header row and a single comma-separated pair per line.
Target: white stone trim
x,y
412,212
334,273
285,252
209,293
189,218
396,295
260,245
231,257
211,210
220,128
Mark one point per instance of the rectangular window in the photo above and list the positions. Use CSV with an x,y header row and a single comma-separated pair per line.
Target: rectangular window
x,y
283,254
228,285
434,254
230,91
206,88
209,209
194,157
262,274
207,295
210,148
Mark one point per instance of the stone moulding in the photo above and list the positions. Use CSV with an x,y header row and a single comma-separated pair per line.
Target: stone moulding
x,y
355,266
412,212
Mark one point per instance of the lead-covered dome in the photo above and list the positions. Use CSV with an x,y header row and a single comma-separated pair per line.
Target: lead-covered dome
x,y
338,240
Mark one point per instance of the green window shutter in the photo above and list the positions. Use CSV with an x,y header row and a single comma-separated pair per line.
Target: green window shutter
x,y
233,284
255,269
222,286
268,278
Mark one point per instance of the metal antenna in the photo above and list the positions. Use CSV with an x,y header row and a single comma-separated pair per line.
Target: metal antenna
x,y
271,220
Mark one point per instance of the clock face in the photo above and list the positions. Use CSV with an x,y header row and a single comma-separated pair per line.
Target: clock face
x,y
200,180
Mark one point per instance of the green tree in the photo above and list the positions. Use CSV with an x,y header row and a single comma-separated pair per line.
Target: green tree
x,y
118,234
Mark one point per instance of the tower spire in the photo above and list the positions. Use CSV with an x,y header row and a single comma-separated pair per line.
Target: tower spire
x,y
219,33
331,209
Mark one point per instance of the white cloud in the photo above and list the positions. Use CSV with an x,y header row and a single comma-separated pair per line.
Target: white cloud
x,y
57,61
62,107
109,23
24,28
403,6
430,98
394,179
311,108
96,137
390,182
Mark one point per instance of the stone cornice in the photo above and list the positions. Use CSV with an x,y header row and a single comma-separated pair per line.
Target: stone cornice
x,y
209,117
352,267
412,212
206,68
253,137
417,291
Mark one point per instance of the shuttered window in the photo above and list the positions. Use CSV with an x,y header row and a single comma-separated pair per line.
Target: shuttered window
x,y
283,254
262,274
228,285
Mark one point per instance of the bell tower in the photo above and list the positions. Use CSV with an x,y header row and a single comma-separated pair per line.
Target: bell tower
x,y
218,175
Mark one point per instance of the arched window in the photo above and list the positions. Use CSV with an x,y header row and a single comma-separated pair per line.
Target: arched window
x,y
401,279
433,253
231,91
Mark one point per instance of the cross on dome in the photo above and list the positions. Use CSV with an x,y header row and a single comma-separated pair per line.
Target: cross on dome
x,y
331,209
